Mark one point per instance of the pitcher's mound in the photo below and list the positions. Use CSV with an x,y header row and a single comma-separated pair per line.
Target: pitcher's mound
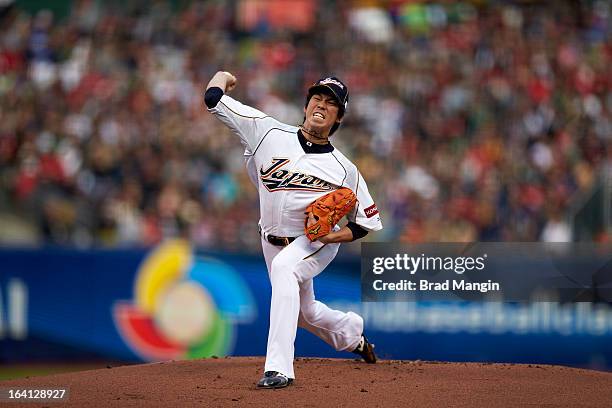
x,y
331,383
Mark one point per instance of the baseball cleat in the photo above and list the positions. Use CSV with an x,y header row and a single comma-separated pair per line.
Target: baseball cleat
x,y
366,350
273,380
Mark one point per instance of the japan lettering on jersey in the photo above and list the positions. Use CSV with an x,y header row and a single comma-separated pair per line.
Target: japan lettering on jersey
x,y
288,178
276,178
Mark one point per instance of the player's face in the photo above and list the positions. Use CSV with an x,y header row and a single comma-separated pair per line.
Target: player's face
x,y
321,112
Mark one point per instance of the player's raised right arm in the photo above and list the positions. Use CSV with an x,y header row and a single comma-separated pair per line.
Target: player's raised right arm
x,y
243,120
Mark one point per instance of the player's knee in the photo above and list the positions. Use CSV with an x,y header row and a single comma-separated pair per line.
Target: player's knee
x,y
302,322
298,275
308,312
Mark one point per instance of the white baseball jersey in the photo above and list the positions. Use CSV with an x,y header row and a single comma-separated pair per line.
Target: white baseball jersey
x,y
291,172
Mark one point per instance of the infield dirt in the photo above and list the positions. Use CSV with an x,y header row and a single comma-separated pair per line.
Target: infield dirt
x,y
329,383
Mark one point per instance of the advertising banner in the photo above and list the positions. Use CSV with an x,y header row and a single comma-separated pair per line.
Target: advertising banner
x,y
173,302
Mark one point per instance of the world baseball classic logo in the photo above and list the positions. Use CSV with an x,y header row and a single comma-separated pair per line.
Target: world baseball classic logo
x,y
184,306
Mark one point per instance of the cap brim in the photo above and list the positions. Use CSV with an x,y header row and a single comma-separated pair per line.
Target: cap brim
x,y
312,90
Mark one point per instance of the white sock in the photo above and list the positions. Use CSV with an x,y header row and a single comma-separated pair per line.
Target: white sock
x,y
361,344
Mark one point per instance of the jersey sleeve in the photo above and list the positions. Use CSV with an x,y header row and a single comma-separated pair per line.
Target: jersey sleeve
x,y
365,213
246,122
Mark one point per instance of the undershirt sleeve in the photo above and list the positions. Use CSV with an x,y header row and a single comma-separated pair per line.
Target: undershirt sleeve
x,y
358,232
212,96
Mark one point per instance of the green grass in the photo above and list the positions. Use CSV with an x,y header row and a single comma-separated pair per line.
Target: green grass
x,y
11,372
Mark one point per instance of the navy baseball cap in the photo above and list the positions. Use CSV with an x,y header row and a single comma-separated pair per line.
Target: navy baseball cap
x,y
338,89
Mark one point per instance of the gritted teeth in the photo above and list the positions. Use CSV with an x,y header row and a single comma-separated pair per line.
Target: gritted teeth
x,y
319,114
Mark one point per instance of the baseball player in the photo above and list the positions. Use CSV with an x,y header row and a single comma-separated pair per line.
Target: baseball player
x,y
293,166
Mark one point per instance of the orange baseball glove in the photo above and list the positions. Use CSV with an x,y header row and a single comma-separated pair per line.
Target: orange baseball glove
x,y
325,212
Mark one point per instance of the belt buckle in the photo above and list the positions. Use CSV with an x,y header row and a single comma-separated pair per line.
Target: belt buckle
x,y
286,241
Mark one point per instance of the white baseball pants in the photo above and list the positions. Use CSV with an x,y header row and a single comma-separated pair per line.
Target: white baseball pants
x,y
293,303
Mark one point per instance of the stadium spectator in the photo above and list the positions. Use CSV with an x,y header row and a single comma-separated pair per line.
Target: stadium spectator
x,y
470,122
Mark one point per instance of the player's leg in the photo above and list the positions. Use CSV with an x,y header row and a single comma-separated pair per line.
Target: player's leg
x,y
272,379
343,331
284,310
289,268
285,303
340,330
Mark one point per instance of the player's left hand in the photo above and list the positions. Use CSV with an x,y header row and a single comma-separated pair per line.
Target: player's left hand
x,y
311,220
325,212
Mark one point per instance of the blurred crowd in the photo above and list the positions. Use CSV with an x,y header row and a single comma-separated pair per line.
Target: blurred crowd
x,y
470,121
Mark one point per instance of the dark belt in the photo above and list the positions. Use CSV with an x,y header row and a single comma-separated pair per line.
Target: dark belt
x,y
274,240
279,241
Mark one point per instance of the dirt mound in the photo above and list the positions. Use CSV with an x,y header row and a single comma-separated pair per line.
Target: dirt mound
x,y
330,383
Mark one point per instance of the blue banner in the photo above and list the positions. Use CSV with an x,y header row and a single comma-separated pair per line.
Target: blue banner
x,y
172,302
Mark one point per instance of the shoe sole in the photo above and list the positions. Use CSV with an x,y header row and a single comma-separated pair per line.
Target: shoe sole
x,y
273,387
